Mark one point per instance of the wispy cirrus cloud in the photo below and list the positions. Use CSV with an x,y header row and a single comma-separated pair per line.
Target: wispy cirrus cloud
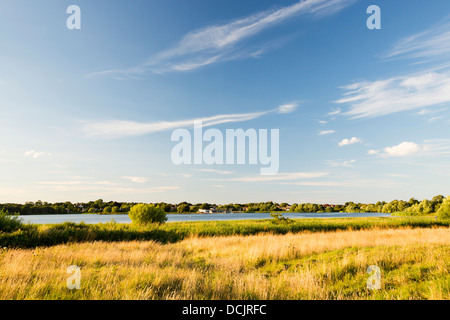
x,y
36,154
136,179
433,43
282,177
218,43
334,112
100,187
370,99
287,108
326,132
429,88
339,163
225,172
121,128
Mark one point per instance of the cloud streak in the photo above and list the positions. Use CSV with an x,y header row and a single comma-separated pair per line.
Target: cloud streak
x,y
326,132
218,43
370,99
121,128
282,177
36,154
430,44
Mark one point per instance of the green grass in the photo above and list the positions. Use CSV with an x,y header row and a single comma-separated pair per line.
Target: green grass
x,y
28,235
414,264
412,214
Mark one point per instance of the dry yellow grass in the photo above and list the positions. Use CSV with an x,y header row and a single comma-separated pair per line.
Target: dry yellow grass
x,y
415,264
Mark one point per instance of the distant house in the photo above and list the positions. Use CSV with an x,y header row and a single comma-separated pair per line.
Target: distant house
x,y
212,210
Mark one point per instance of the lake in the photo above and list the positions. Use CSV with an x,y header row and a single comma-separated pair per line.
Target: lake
x,y
123,218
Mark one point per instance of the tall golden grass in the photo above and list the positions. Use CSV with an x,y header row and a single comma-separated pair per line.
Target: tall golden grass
x,y
414,263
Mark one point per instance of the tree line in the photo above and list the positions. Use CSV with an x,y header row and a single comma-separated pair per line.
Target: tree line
x,y
412,206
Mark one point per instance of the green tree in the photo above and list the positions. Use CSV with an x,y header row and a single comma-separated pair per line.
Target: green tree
x,y
444,210
98,204
205,206
147,213
115,209
183,208
425,207
125,207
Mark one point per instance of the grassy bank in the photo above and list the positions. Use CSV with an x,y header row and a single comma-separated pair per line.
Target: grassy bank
x,y
414,263
28,236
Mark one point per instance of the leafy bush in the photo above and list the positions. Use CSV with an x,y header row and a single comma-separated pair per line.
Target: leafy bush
x,y
9,223
279,219
444,210
147,213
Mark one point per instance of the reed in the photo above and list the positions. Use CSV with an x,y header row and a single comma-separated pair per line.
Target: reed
x,y
29,236
415,264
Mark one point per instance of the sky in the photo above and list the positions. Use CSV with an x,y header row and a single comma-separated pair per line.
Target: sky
x,y
362,114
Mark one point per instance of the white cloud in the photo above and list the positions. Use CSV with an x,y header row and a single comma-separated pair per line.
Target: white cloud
x,y
225,172
224,42
326,132
429,148
347,163
334,112
402,149
382,97
137,179
431,43
35,154
123,128
433,119
316,183
282,177
122,190
398,175
346,142
287,108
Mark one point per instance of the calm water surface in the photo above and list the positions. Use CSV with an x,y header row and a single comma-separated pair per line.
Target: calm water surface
x,y
123,218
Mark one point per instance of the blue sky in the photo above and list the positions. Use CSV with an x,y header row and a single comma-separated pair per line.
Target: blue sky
x,y
82,110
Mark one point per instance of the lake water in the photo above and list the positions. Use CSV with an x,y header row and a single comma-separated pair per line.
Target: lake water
x,y
123,218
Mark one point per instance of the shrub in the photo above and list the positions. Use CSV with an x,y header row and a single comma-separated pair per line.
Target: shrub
x,y
444,210
279,219
147,213
9,223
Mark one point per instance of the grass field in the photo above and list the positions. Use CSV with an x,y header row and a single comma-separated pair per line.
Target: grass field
x,y
414,263
30,236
